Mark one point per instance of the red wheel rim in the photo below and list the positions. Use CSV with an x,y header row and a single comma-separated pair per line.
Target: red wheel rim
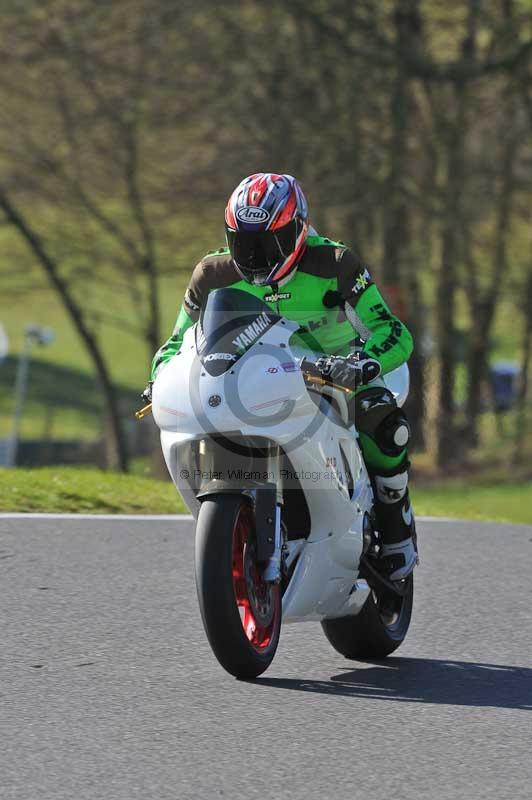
x,y
258,602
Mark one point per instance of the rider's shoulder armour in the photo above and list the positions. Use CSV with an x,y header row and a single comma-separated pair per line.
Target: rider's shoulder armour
x,y
326,258
321,258
215,271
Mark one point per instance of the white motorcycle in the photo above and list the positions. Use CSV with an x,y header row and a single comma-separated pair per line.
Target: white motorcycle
x,y
267,460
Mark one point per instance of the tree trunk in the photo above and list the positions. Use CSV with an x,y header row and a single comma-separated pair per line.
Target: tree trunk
x,y
399,280
521,416
448,453
446,291
75,312
485,306
396,218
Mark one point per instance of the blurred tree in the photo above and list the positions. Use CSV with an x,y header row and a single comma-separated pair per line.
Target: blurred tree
x,y
407,122
454,131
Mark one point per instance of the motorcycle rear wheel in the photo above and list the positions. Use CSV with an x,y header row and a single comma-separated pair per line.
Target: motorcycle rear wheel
x,y
241,613
378,629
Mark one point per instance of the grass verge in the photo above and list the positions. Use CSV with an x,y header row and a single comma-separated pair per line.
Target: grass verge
x,y
496,503
80,490
77,490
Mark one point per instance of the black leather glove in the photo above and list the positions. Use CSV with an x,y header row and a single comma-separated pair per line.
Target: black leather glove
x,y
146,394
351,371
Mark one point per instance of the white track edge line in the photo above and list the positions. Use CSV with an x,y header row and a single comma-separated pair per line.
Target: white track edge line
x,y
153,517
106,517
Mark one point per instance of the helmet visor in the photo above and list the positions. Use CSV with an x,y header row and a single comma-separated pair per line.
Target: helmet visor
x,y
259,253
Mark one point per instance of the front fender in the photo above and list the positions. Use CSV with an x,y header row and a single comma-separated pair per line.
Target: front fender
x,y
264,498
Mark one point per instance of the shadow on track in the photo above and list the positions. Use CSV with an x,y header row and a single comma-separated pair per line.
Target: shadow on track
x,y
424,680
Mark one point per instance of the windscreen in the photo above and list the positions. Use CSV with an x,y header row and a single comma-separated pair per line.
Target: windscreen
x,y
230,322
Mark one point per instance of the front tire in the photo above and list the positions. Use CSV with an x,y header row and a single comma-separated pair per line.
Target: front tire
x,y
378,629
241,613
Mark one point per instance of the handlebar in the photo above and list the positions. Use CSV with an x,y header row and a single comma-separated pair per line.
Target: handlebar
x,y
143,412
318,381
312,375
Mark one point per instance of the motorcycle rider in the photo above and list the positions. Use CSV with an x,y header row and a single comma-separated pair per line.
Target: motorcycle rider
x,y
274,254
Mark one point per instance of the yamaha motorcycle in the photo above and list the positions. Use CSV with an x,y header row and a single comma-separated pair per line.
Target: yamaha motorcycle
x,y
265,456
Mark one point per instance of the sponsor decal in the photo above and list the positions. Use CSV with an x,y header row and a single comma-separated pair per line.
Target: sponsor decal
x,y
220,357
362,282
381,400
272,370
390,494
189,302
214,400
290,366
382,313
390,341
252,215
274,297
173,411
253,331
313,324
407,516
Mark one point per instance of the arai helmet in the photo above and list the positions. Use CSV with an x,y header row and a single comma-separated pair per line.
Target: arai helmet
x,y
266,223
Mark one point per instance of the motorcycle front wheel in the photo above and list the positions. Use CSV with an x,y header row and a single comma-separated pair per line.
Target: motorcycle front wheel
x,y
241,612
378,629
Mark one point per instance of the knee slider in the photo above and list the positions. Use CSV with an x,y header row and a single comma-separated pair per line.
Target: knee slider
x,y
393,433
372,407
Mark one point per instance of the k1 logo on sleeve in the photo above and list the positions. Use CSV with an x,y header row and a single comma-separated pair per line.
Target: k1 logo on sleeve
x,y
362,282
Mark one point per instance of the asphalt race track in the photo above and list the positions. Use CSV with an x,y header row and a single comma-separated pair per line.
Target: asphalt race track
x,y
109,690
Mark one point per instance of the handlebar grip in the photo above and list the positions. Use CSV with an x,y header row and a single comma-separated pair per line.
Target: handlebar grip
x,y
309,367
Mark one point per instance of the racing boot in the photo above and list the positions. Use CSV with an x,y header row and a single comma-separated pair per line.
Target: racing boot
x,y
396,525
384,433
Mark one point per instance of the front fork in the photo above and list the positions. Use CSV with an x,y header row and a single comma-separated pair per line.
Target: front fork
x,y
272,571
214,461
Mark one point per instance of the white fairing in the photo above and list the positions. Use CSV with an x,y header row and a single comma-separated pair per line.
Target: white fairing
x,y
398,382
264,394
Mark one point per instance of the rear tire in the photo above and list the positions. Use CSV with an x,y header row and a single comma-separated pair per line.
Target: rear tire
x,y
377,630
241,613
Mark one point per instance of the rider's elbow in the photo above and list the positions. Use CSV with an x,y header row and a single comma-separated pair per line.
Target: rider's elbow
x,y
406,341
